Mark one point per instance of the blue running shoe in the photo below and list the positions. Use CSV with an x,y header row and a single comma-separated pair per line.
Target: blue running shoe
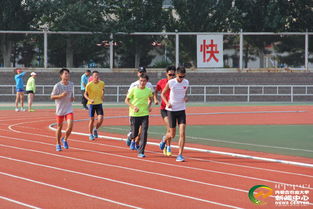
x,y
58,148
129,140
91,137
133,145
95,133
180,158
141,155
65,144
162,145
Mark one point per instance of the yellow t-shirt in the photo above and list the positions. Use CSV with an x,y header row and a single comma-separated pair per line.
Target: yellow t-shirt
x,y
95,91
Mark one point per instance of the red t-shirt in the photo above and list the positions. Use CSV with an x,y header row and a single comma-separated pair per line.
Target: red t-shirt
x,y
159,87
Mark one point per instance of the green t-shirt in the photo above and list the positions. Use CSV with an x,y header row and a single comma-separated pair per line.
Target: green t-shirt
x,y
139,98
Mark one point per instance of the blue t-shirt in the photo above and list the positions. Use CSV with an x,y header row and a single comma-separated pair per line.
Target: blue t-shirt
x,y
19,83
84,80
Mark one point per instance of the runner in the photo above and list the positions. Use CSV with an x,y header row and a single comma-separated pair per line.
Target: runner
x,y
95,94
63,95
165,144
19,84
31,90
176,106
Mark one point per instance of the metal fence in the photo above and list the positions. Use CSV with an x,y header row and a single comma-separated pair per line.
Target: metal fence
x,y
201,93
241,50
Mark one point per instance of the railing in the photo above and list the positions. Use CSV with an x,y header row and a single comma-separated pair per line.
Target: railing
x,y
202,93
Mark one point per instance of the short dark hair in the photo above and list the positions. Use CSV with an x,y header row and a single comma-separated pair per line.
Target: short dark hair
x,y
88,71
142,69
181,69
144,76
171,68
64,69
95,71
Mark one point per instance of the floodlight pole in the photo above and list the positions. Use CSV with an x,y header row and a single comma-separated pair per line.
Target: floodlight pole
x,y
241,51
306,50
45,58
111,51
177,49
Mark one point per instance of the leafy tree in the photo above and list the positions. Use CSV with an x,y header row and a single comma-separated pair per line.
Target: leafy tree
x,y
15,15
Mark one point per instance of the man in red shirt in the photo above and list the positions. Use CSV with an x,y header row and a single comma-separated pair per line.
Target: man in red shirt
x,y
165,144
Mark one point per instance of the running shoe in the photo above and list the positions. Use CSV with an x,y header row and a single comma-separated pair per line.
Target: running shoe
x,y
95,133
180,158
133,145
91,137
162,145
169,151
58,148
22,109
128,141
17,110
31,110
65,144
165,151
141,155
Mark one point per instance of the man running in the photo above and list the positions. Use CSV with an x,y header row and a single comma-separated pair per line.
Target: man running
x,y
63,95
165,144
95,95
176,106
139,100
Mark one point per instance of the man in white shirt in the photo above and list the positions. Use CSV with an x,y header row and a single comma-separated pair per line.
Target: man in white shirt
x,y
176,106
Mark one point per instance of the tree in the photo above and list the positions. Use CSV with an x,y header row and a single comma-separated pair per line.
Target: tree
x,y
15,15
73,15
136,16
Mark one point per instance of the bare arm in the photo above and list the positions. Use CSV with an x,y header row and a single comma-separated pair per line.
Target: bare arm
x,y
164,97
60,96
86,96
127,101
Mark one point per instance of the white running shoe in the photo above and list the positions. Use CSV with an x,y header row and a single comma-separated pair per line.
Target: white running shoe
x,y
22,109
17,110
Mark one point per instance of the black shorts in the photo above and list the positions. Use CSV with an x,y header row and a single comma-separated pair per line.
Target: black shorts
x,y
29,92
175,117
163,113
95,109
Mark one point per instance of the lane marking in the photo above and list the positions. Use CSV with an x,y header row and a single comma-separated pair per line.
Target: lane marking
x,y
18,202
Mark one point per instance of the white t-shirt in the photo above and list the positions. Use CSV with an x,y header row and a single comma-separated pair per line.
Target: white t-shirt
x,y
177,94
136,83
63,105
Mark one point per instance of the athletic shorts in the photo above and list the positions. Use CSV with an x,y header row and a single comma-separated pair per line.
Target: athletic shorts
x,y
20,90
29,92
95,109
60,118
175,117
163,113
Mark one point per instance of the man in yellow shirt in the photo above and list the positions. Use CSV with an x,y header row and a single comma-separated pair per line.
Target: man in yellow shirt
x,y
94,93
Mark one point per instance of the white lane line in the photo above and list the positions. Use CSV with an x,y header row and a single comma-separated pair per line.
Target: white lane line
x,y
199,159
18,202
126,168
161,163
115,181
68,190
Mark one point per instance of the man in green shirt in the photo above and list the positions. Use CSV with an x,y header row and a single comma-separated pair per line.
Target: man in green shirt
x,y
30,90
139,100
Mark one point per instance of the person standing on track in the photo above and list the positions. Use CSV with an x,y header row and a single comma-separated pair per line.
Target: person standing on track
x,y
19,84
176,106
95,95
83,83
63,95
165,144
139,100
31,90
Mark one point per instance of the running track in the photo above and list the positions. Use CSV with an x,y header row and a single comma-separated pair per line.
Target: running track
x,y
106,174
